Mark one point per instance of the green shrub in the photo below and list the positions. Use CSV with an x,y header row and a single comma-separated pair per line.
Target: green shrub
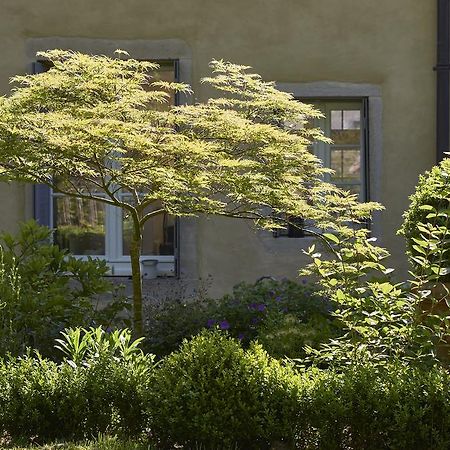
x,y
365,408
103,392
429,205
294,313
44,290
287,335
214,393
172,320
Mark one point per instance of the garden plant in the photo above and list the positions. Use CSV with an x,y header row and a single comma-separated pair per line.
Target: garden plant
x,y
44,290
283,315
89,128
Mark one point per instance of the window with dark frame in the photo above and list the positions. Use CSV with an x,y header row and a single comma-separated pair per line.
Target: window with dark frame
x,y
92,229
345,122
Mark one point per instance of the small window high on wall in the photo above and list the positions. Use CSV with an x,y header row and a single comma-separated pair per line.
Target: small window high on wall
x,y
345,123
93,229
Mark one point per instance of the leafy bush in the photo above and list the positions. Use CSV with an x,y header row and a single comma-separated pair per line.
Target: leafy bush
x,y
172,320
365,408
287,335
381,320
429,205
214,393
102,392
284,315
44,290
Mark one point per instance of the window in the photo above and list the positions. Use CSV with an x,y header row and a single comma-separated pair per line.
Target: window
x,y
345,122
90,228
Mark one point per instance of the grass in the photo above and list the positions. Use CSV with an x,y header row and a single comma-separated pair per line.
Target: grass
x,y
102,443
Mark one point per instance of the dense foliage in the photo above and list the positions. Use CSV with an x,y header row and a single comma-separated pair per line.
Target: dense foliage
x,y
282,315
89,127
430,207
100,390
212,393
382,320
365,407
43,290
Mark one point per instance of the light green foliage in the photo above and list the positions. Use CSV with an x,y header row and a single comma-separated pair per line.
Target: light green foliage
x,y
82,346
426,228
89,129
383,319
426,224
212,392
104,392
380,318
44,290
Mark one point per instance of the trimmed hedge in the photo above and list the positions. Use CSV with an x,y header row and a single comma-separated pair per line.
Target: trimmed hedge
x,y
366,408
212,393
46,401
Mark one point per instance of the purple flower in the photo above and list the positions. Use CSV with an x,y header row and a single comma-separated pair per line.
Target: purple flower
x,y
272,293
304,281
210,323
241,336
257,306
278,299
224,325
256,320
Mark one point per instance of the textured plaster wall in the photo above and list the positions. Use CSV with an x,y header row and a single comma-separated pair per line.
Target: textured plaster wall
x,y
386,43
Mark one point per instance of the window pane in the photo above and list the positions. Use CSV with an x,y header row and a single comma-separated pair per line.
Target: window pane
x,y
79,225
158,237
351,120
336,120
347,119
346,137
346,164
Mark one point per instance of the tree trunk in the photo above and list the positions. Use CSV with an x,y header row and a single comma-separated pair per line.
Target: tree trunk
x,y
135,253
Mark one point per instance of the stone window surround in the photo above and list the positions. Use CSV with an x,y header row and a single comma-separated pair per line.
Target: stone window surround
x,y
333,90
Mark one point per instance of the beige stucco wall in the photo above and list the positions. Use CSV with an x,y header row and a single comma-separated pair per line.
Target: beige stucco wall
x,y
390,44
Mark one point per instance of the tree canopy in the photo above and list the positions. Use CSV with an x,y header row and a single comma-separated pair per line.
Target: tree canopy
x,y
92,127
